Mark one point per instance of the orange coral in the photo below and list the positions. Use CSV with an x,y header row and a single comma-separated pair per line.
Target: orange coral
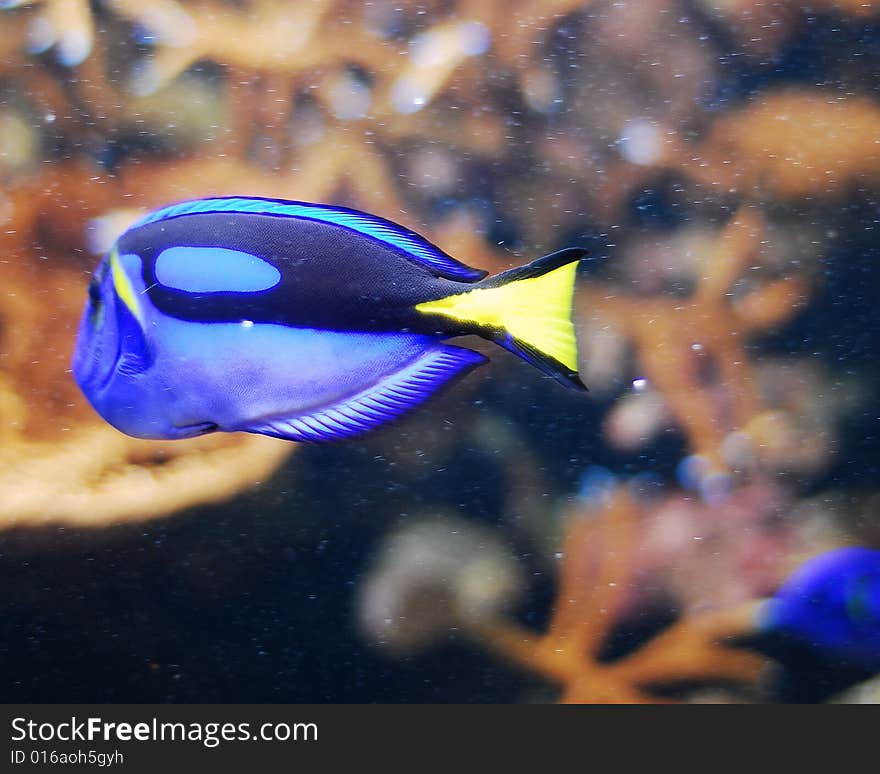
x,y
589,594
692,350
678,339
791,144
270,37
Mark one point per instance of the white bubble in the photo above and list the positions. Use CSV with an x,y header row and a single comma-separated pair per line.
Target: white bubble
x,y
691,470
641,142
40,36
475,38
350,98
715,488
408,95
73,47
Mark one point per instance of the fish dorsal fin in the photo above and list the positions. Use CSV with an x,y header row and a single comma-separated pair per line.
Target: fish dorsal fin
x,y
413,245
394,395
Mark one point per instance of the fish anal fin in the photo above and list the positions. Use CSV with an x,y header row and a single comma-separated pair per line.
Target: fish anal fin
x,y
378,405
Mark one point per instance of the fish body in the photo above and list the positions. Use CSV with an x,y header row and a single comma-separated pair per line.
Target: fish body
x,y
832,602
300,321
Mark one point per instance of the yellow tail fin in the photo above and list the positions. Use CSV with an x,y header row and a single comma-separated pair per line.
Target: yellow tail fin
x,y
527,310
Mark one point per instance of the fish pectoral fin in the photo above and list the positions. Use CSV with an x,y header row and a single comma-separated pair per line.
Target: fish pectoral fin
x,y
391,397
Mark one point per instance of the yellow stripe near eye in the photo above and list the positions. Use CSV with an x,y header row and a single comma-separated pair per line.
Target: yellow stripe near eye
x,y
122,285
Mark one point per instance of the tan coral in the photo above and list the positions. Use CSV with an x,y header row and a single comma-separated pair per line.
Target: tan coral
x,y
94,476
442,575
285,38
791,144
592,586
66,25
676,339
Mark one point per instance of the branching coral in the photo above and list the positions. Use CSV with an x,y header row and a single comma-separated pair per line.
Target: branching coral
x,y
694,350
761,29
791,144
268,37
595,580
65,25
95,476
591,587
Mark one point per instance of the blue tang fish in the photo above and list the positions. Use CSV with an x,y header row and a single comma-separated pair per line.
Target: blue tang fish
x,y
832,602
299,321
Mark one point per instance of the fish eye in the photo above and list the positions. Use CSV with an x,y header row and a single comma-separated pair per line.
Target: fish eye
x,y
95,293
96,303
